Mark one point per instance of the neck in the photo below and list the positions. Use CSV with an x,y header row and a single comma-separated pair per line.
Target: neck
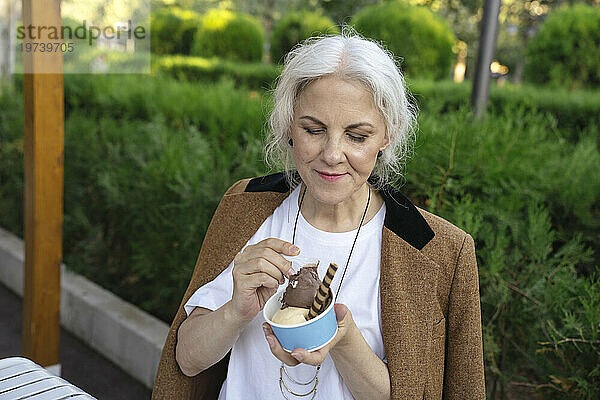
x,y
341,217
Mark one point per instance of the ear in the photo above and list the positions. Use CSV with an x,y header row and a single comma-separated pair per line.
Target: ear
x,y
386,143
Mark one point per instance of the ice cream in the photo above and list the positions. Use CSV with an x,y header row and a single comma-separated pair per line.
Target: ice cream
x,y
305,295
301,313
290,315
302,288
299,296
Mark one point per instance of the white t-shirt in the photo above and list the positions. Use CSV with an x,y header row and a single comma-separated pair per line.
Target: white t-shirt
x,y
253,371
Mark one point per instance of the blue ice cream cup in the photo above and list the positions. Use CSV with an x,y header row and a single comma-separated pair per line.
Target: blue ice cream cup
x,y
310,335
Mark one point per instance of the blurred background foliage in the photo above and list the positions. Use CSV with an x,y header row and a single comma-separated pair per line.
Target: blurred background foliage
x,y
422,41
294,28
566,50
520,20
231,35
147,159
173,30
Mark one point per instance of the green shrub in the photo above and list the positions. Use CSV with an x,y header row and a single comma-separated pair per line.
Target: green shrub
x,y
250,75
294,28
415,34
505,181
146,163
137,201
565,51
141,188
11,158
141,183
172,30
229,35
575,112
571,335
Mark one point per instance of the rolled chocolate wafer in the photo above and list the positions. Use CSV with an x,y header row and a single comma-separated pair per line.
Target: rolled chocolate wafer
x,y
322,292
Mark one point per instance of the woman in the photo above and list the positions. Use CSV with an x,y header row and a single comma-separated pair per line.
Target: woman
x,y
407,290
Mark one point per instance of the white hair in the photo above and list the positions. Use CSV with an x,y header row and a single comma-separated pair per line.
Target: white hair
x,y
348,56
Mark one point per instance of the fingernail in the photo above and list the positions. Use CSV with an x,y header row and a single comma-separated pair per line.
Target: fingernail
x,y
290,272
297,356
294,249
270,341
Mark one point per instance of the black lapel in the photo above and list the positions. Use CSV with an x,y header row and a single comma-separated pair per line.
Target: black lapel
x,y
269,183
403,218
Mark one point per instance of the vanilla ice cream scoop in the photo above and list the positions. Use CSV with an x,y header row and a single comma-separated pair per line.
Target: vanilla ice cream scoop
x,y
290,315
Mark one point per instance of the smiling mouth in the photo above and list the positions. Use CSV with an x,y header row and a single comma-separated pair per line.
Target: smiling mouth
x,y
330,177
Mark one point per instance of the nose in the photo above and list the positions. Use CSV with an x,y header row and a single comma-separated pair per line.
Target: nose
x,y
333,151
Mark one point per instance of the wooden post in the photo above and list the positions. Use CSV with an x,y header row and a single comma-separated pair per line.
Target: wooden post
x,y
43,145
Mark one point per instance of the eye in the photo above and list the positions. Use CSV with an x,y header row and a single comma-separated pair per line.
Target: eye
x,y
314,131
356,138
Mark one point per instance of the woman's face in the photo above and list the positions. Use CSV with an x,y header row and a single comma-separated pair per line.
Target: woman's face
x,y
337,131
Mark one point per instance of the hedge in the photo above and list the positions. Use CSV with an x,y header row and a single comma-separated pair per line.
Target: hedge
x,y
251,75
146,163
575,112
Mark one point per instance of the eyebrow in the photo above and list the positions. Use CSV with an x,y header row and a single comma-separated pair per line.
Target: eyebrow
x,y
348,127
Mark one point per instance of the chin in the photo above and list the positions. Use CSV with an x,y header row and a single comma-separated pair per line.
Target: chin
x,y
330,194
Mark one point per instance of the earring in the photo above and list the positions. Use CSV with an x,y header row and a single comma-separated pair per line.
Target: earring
x,y
379,154
291,142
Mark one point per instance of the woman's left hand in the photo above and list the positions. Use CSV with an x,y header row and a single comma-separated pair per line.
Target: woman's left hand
x,y
316,357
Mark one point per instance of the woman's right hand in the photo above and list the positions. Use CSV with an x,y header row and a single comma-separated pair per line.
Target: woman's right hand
x,y
257,273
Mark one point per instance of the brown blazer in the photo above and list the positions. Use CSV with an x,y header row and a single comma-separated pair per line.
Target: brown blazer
x,y
430,309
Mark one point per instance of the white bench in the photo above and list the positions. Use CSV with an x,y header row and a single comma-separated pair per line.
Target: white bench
x,y
21,378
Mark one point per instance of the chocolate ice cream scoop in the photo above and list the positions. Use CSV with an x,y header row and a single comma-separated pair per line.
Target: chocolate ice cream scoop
x,y
302,288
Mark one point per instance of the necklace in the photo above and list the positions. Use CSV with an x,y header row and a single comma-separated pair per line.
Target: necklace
x,y
355,238
282,371
282,385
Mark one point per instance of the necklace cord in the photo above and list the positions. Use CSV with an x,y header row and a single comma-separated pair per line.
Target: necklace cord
x,y
297,215
315,379
355,238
